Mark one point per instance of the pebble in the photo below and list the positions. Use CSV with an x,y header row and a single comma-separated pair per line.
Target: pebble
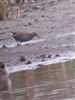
x,y
28,62
22,59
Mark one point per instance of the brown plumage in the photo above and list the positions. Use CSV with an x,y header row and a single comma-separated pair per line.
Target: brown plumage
x,y
23,36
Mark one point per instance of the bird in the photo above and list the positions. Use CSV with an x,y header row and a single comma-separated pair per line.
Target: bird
x,y
23,36
5,82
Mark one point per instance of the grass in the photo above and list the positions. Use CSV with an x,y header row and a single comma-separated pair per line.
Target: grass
x,y
1,14
1,10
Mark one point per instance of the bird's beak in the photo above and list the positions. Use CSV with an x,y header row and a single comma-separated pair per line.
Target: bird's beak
x,y
11,34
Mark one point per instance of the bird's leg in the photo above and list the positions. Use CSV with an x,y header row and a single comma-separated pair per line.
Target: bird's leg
x,y
18,43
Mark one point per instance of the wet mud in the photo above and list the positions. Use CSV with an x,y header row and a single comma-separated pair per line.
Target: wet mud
x,y
53,21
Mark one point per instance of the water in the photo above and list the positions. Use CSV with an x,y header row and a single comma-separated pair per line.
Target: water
x,y
47,82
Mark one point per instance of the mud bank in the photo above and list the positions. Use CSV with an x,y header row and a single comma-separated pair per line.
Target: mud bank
x,y
53,22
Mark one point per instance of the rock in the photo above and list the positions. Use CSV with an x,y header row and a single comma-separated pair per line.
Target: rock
x,y
52,3
4,47
36,20
1,65
36,7
43,56
28,62
49,56
42,16
57,55
22,59
43,59
52,27
29,23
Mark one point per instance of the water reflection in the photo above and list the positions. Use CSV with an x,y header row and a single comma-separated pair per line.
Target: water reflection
x,y
50,82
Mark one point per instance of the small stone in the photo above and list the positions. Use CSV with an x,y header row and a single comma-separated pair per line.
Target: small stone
x,y
42,16
52,27
28,62
43,59
49,56
43,8
22,59
29,24
24,15
6,28
24,25
57,55
4,47
36,20
46,47
2,65
52,2
43,55
36,7
37,57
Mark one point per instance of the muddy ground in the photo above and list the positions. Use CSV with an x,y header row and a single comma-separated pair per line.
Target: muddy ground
x,y
52,20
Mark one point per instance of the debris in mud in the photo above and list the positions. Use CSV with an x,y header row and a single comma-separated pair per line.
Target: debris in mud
x,y
2,39
46,47
29,23
4,47
57,55
43,59
1,33
43,56
28,62
49,56
6,28
52,27
22,59
42,16
52,3
25,25
36,7
36,20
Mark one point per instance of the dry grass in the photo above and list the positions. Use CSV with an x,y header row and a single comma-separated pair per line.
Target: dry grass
x,y
3,9
1,13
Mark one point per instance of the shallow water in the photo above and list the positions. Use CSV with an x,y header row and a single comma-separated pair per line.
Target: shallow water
x,y
47,82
